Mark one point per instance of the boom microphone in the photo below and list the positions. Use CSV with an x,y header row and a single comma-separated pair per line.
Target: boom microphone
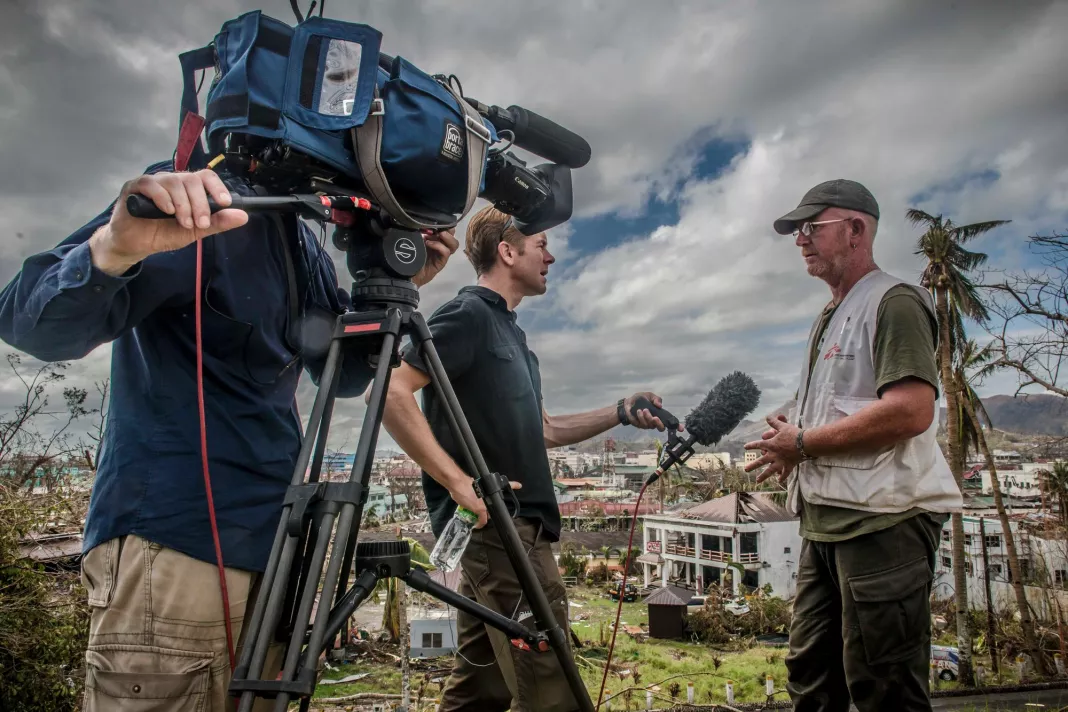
x,y
537,134
543,137
733,398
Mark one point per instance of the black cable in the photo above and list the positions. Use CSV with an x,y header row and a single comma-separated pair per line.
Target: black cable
x,y
296,10
459,86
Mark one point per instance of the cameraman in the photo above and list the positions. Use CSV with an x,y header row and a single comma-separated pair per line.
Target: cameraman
x,y
157,632
498,385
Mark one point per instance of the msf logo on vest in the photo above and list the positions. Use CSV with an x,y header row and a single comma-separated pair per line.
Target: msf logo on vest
x,y
452,147
835,352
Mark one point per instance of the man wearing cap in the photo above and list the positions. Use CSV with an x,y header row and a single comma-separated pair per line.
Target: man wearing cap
x,y
864,471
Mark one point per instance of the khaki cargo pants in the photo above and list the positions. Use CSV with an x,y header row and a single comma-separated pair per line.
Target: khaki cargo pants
x,y
489,674
156,635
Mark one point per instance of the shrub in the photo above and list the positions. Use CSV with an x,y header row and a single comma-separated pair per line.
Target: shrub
x,y
44,619
714,625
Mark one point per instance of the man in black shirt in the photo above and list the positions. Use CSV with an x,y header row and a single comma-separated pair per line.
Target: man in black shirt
x,y
498,384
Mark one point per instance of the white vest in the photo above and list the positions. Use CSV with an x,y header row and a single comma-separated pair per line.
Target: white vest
x,y
912,473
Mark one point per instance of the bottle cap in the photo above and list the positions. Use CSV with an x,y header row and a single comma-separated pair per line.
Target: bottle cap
x,y
467,515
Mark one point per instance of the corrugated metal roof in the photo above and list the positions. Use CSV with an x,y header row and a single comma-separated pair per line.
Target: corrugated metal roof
x,y
738,508
669,596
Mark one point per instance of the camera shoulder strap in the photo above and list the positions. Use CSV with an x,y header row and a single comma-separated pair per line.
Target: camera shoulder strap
x,y
367,140
293,301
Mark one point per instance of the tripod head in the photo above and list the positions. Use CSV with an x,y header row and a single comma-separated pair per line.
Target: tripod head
x,y
382,259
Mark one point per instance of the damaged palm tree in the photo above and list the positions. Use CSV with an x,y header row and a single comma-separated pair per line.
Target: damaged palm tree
x,y
946,275
973,365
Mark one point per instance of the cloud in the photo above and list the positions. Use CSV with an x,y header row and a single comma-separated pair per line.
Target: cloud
x,y
951,107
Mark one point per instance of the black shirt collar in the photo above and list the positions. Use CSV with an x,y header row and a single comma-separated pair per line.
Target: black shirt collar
x,y
490,296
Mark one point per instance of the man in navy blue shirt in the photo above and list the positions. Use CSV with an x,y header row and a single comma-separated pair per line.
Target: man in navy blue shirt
x,y
157,630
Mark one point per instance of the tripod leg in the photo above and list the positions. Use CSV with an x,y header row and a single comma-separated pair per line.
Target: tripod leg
x,y
498,511
364,587
302,561
348,513
267,609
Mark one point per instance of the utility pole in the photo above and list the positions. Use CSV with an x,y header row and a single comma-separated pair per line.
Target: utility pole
x,y
990,633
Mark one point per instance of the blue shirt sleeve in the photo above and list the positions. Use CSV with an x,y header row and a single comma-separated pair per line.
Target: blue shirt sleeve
x,y
60,307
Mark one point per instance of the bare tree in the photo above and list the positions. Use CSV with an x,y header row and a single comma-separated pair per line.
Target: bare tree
x,y
96,433
35,442
1030,310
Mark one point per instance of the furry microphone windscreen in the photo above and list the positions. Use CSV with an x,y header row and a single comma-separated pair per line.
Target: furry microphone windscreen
x,y
733,398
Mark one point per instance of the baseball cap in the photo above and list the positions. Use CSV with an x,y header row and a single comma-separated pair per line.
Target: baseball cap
x,y
839,193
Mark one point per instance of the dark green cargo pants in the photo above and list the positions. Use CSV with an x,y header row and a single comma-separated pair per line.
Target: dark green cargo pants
x,y
489,674
861,624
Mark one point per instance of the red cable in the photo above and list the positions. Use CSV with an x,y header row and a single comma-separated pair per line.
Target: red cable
x,y
204,461
622,591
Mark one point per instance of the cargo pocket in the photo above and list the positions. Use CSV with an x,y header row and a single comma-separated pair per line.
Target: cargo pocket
x,y
136,678
891,610
100,570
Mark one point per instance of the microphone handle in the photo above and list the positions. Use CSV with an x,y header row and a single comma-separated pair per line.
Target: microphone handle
x,y
670,421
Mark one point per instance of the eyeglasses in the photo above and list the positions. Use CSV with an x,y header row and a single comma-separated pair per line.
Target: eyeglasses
x,y
807,228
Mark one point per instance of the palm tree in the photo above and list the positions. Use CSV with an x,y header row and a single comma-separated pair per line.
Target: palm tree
x,y
973,365
1057,482
956,297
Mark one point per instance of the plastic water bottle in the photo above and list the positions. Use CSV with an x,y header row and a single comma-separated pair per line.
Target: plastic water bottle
x,y
452,542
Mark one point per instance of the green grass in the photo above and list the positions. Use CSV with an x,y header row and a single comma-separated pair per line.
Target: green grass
x,y
652,661
638,665
383,678
656,660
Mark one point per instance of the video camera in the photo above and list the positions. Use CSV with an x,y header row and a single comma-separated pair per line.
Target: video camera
x,y
322,123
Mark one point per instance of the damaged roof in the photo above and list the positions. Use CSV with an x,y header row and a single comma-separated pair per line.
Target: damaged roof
x,y
739,508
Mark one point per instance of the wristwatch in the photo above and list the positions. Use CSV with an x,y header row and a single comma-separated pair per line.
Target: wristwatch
x,y
622,412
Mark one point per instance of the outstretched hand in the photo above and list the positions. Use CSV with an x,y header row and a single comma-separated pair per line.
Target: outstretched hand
x,y
779,445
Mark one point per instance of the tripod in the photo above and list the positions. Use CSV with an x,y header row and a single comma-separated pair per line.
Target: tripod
x,y
320,521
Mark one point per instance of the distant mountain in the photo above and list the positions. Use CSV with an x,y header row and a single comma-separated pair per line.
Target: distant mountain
x,y
1037,414
1025,414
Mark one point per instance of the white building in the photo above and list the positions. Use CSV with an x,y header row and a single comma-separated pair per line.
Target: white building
x,y
645,458
709,460
432,637
751,456
1007,457
1043,564
697,546
574,461
1023,480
